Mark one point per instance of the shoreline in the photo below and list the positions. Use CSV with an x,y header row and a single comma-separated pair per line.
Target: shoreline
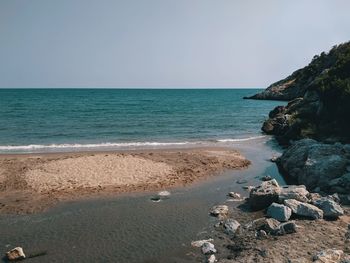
x,y
31,183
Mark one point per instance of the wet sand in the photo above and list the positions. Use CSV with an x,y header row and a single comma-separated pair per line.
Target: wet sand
x,y
33,182
130,227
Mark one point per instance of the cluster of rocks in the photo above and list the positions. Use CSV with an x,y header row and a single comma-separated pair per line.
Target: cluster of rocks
x,y
281,204
320,167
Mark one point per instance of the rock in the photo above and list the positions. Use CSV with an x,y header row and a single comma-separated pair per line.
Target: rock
x,y
267,224
208,248
164,193
15,254
219,210
241,181
261,234
335,197
304,209
313,197
155,199
313,164
328,256
211,259
278,125
235,195
297,192
279,212
199,243
231,226
266,178
264,195
329,207
285,228
274,159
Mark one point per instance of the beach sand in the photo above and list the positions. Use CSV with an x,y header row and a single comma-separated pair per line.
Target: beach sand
x,y
33,182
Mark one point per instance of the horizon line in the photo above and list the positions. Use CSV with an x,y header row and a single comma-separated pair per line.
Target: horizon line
x,y
170,88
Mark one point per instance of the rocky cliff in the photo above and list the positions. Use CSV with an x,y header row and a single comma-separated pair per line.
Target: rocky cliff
x,y
319,100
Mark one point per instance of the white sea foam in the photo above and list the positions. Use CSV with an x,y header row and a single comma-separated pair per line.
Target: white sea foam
x,y
120,145
242,139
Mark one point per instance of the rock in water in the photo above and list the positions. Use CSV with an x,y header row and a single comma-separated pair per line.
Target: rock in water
x,y
264,195
329,207
304,209
297,192
231,226
235,195
199,243
164,193
15,254
219,210
328,256
279,212
208,248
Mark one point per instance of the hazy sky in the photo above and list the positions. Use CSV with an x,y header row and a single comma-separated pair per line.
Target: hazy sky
x,y
163,43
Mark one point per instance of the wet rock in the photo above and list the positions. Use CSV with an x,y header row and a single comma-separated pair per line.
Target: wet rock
x,y
304,209
199,243
328,256
329,207
208,248
264,195
231,226
235,196
219,210
15,254
279,212
155,199
211,259
297,192
285,228
164,193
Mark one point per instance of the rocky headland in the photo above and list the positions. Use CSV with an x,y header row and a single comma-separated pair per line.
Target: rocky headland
x,y
307,220
314,125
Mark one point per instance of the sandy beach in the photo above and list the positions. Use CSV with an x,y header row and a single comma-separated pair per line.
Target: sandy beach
x,y
33,182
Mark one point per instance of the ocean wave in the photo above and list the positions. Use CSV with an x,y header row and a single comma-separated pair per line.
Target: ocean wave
x,y
242,139
119,145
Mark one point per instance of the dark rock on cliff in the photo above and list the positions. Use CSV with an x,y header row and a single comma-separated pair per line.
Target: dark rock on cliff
x,y
319,95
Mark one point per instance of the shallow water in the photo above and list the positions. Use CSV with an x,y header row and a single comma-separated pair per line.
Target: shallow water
x,y
132,228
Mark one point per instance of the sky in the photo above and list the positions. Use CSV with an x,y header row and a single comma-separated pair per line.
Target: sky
x,y
163,43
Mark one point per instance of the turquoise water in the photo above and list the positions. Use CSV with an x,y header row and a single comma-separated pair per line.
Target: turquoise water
x,y
73,119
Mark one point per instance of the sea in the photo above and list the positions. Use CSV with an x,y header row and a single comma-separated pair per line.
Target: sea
x,y
56,120
131,228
